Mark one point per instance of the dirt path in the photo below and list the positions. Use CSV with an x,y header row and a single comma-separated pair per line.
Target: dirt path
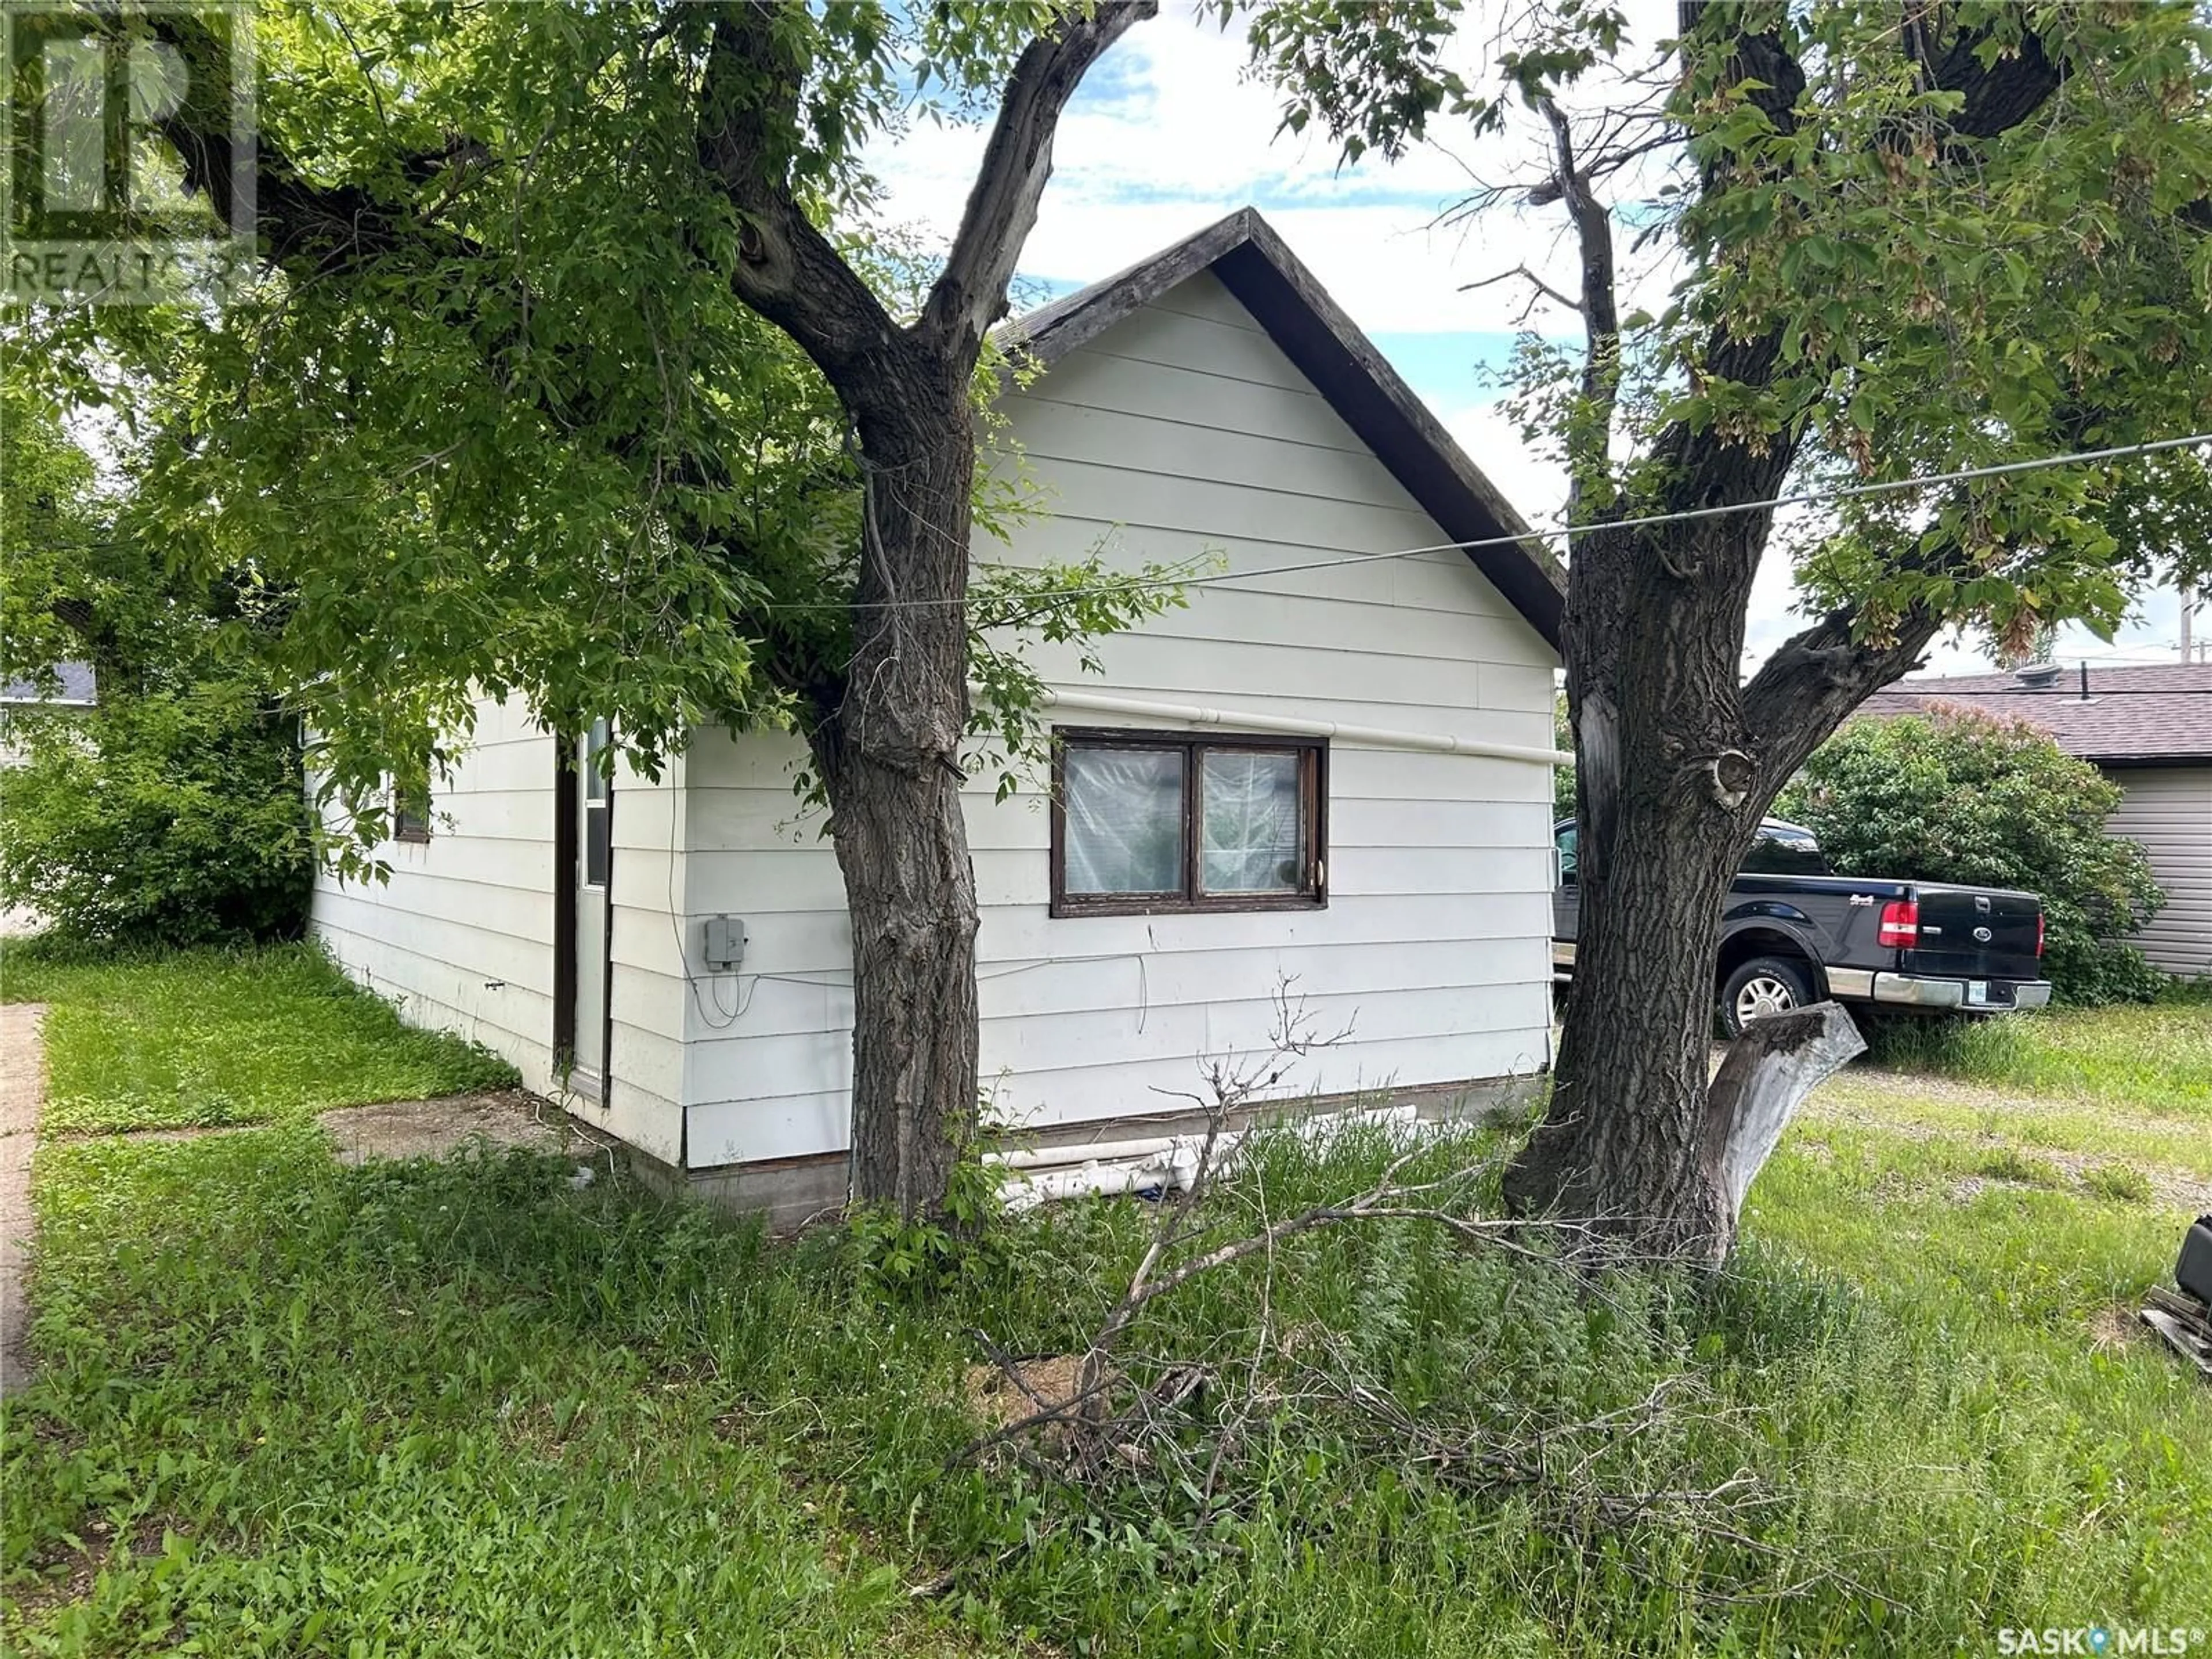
x,y
23,1092
436,1128
1896,1103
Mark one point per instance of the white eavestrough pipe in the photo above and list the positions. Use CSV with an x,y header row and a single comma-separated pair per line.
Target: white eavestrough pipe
x,y
1103,1180
1248,720
1090,1152
1105,1168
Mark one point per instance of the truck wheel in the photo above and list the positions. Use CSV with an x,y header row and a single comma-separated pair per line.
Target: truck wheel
x,y
1761,987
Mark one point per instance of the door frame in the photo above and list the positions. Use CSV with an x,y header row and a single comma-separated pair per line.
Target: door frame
x,y
568,826
565,827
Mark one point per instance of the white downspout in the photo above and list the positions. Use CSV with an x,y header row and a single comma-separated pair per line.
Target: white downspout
x,y
1248,720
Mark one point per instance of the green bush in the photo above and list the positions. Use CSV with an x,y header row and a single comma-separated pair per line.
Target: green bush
x,y
1958,796
170,817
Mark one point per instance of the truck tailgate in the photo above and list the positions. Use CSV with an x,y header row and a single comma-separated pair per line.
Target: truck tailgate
x,y
1967,933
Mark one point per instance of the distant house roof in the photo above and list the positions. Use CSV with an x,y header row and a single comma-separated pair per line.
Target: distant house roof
x,y
1357,382
78,689
2158,715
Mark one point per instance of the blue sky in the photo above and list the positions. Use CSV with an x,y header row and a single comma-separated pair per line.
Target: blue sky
x,y
1167,135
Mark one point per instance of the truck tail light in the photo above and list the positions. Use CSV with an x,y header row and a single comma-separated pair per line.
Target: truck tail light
x,y
2039,932
1900,924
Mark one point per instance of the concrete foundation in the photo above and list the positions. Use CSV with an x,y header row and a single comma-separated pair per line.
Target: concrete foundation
x,y
793,1191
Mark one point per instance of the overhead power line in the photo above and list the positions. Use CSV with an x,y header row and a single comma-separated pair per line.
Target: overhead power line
x,y
1562,533
1566,533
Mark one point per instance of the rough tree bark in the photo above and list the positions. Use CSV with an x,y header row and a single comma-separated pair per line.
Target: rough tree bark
x,y
884,728
1677,757
888,754
888,743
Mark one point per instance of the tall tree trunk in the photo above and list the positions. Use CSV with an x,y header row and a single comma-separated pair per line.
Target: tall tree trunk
x,y
889,758
1667,803
1676,760
890,749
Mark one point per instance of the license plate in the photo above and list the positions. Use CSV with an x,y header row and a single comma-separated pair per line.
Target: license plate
x,y
1978,991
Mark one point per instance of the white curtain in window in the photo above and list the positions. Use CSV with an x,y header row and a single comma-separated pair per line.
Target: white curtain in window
x,y
1253,840
1124,810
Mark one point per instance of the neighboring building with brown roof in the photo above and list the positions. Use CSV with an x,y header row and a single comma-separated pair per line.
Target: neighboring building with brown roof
x,y
2150,731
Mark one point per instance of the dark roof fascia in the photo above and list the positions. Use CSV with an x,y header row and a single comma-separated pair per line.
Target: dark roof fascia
x,y
1344,366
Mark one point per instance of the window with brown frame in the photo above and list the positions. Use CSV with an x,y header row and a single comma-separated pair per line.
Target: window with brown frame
x,y
1145,822
411,814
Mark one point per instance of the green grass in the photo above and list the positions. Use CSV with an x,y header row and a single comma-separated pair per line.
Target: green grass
x,y
2021,1168
2041,1122
225,1036
2120,1183
467,1407
296,1409
2154,1058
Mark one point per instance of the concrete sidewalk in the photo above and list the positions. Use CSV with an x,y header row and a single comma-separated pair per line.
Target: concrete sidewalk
x,y
23,1092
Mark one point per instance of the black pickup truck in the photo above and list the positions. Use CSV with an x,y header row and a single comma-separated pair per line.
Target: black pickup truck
x,y
1792,934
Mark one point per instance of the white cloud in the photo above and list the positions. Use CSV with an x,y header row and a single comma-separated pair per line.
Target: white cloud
x,y
1180,138
1188,138
1534,482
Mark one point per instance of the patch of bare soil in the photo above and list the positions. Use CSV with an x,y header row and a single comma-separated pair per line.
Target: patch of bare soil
x,y
1044,1391
502,1119
2114,1329
1000,1396
1859,1099
2174,1189
59,1583
68,1575
2171,1189
193,1131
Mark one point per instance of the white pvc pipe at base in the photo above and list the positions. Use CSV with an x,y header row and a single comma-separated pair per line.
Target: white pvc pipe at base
x,y
1165,1161
1098,1181
1090,1152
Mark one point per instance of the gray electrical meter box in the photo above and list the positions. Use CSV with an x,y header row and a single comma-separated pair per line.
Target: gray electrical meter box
x,y
724,945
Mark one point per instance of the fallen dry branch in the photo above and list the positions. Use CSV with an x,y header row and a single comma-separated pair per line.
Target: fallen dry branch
x,y
1183,1434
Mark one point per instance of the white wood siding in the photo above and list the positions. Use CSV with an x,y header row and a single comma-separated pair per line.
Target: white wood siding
x,y
461,937
1181,433
646,1060
2169,811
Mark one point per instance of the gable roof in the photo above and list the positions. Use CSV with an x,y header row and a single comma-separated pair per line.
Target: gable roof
x,y
2158,715
1353,378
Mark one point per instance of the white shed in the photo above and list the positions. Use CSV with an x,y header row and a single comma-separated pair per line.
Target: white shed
x,y
1331,771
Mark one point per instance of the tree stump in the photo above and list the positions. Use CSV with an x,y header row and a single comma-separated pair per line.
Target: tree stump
x,y
1768,1071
